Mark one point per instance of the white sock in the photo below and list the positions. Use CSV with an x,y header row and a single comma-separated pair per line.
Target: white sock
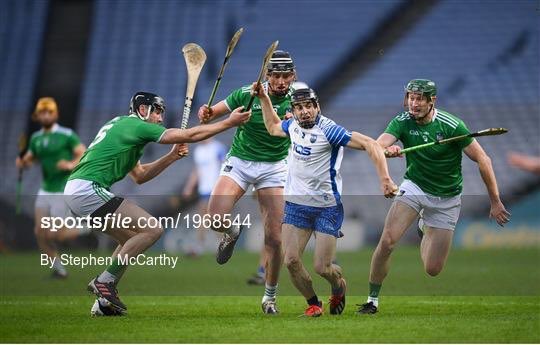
x,y
107,277
57,265
233,231
270,292
374,300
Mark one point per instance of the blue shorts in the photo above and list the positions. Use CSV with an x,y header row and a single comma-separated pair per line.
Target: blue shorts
x,y
327,220
205,197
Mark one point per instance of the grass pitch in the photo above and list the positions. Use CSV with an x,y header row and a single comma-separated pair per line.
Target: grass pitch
x,y
482,296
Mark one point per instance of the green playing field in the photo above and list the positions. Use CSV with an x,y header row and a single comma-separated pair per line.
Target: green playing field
x,y
482,296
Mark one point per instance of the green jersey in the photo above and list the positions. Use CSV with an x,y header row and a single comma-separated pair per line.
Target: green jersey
x,y
49,147
436,169
115,151
252,141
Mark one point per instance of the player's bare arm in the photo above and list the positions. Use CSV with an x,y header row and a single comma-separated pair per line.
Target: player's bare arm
x,y
272,122
145,172
207,114
376,154
477,154
387,141
26,161
198,133
66,165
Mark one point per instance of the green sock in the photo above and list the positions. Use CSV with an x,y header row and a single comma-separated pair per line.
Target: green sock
x,y
115,269
374,290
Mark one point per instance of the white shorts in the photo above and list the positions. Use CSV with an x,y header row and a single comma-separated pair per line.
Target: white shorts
x,y
84,197
52,204
437,212
259,174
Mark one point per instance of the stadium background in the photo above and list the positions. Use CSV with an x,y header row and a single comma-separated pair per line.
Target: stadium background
x,y
93,55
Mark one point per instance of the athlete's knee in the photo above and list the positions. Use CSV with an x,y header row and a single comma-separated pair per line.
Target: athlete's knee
x,y
64,234
322,268
51,235
42,233
292,262
156,233
272,222
386,245
433,269
151,233
61,235
272,229
273,240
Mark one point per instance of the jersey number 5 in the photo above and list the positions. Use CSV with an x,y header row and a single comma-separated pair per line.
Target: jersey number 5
x,y
101,134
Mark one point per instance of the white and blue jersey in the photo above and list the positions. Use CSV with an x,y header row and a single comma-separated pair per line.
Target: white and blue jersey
x,y
314,161
313,187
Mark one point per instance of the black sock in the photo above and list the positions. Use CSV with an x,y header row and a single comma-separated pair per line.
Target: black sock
x,y
338,291
313,300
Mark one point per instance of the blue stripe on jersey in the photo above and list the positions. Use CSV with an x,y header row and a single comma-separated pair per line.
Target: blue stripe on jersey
x,y
285,125
333,158
337,135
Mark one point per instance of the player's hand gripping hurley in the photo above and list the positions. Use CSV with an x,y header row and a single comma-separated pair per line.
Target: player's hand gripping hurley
x,y
195,58
230,48
482,133
267,57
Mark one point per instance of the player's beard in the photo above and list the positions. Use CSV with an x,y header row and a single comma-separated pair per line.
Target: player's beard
x,y
420,117
278,93
48,124
306,122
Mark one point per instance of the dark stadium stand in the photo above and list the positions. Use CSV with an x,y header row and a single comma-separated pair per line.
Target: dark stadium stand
x,y
22,25
455,52
22,28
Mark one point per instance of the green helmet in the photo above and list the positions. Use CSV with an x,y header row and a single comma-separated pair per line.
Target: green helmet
x,y
424,86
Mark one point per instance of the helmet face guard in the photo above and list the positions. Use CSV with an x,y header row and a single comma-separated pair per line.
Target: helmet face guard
x,y
280,61
153,102
425,87
302,96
